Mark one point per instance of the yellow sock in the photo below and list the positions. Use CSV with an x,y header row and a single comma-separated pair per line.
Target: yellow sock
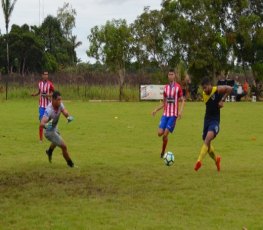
x,y
203,152
212,152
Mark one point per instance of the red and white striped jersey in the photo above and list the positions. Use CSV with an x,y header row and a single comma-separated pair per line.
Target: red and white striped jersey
x,y
171,94
45,87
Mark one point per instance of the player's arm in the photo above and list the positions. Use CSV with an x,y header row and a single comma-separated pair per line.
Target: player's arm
x,y
158,108
35,94
66,115
43,122
225,90
182,103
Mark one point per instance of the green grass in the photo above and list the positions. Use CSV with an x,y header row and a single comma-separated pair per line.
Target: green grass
x,y
121,182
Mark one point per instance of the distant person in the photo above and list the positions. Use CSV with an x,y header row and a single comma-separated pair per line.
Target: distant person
x,y
50,121
172,111
245,89
221,81
45,90
214,97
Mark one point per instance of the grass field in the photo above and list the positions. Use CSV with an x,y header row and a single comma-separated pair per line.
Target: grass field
x,y
121,182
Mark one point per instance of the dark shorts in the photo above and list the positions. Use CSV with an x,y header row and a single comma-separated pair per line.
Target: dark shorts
x,y
210,125
41,111
168,123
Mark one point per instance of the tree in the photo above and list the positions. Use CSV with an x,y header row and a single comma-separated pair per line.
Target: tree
x,y
8,7
198,27
27,49
74,44
110,44
66,16
149,38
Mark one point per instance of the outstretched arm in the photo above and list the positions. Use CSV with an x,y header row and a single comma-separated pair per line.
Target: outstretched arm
x,y
226,91
66,115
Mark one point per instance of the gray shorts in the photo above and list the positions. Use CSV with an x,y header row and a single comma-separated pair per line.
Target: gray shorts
x,y
54,137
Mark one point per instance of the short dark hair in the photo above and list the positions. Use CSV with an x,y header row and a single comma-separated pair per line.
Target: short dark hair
x,y
56,94
206,81
171,70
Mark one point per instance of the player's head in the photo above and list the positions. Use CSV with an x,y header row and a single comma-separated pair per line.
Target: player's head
x,y
171,75
56,99
207,85
45,75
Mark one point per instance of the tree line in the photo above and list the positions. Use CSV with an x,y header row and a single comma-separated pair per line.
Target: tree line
x,y
201,38
49,46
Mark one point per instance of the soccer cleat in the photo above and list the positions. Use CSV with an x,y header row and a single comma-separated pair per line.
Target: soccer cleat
x,y
70,163
198,165
161,155
218,159
49,154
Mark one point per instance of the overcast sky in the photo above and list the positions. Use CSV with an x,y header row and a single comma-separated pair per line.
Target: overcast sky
x,y
89,14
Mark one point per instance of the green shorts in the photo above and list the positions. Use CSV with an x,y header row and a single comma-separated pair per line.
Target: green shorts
x,y
54,137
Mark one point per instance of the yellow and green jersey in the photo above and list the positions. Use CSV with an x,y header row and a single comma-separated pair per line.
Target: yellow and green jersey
x,y
212,109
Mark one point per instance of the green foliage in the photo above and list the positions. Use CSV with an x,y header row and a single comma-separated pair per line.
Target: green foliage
x,y
26,49
110,43
49,62
66,16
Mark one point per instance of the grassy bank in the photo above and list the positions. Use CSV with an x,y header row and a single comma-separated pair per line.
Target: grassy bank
x,y
121,182
75,92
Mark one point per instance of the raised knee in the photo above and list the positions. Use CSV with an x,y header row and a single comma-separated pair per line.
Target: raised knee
x,y
160,134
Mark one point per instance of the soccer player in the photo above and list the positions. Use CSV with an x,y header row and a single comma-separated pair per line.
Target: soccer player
x,y
49,123
172,94
45,90
214,97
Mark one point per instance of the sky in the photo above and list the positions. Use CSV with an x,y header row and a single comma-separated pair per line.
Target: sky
x,y
90,13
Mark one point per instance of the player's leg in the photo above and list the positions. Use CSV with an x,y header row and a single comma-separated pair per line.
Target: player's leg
x,y
161,132
214,127
204,149
41,114
66,154
169,129
207,137
49,152
165,141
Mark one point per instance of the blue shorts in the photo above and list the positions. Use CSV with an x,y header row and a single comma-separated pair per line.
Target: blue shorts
x,y
41,111
210,125
168,123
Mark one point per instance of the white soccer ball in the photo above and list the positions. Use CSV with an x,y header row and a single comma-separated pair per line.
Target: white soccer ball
x,y
168,158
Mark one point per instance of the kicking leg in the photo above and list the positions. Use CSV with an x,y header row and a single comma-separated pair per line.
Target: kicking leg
x,y
212,154
204,149
165,134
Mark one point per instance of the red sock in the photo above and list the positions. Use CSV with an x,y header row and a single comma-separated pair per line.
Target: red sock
x,y
41,133
165,140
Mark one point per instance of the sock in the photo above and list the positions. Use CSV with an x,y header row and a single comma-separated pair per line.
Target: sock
x,y
41,133
203,152
211,152
165,140
50,150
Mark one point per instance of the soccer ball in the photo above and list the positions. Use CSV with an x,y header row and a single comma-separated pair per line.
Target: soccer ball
x,y
168,158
